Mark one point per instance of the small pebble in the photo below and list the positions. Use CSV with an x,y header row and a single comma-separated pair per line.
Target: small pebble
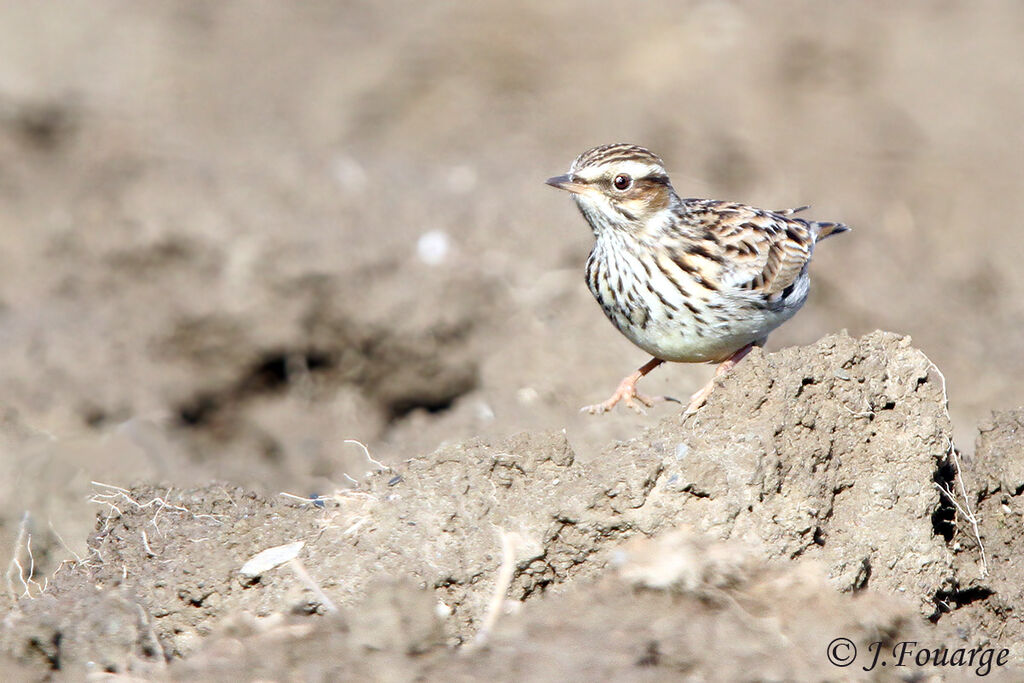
x,y
432,247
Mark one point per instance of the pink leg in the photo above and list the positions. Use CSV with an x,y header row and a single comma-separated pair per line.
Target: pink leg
x,y
698,399
627,392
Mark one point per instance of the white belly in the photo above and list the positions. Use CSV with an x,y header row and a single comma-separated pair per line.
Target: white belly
x,y
692,341
706,326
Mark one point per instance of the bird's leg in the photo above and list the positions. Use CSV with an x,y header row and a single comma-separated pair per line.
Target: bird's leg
x,y
627,392
698,399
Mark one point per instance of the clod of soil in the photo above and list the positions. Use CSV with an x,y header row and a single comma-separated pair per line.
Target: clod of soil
x,y
801,504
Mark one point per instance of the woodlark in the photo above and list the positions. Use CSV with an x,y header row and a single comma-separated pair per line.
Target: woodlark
x,y
686,280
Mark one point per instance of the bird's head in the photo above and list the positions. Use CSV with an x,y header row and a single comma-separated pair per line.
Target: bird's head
x,y
618,187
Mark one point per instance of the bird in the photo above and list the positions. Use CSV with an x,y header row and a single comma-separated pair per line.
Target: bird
x,y
686,280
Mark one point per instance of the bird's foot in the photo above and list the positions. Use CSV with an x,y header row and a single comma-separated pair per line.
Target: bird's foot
x,y
628,394
698,400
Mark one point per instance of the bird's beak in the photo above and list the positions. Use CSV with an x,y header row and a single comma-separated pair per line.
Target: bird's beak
x,y
567,182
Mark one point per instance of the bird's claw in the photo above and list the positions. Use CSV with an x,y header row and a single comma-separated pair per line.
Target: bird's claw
x,y
627,394
698,400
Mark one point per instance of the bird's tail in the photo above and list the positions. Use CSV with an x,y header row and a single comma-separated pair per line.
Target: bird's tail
x,y
823,229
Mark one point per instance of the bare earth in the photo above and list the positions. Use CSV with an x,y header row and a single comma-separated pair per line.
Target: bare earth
x,y
237,238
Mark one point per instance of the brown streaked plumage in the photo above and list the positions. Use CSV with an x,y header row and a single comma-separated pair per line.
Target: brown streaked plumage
x,y
687,280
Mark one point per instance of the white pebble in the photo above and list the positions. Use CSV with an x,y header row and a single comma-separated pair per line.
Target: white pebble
x,y
432,247
271,557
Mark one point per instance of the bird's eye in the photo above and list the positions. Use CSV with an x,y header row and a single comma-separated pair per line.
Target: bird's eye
x,y
622,182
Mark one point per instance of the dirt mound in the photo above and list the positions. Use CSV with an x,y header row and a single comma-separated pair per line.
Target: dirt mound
x,y
831,454
680,605
991,605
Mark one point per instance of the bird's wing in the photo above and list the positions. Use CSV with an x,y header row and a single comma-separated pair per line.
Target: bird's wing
x,y
756,250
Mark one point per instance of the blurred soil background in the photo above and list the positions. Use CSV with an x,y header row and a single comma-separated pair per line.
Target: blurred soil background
x,y
235,235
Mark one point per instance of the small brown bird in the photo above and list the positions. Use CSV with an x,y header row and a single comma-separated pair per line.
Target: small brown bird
x,y
686,280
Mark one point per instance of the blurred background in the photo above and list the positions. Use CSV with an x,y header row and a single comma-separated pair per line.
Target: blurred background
x,y
234,235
